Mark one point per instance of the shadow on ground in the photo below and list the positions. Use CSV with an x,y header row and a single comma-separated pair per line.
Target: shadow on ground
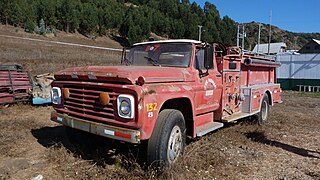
x,y
91,147
261,138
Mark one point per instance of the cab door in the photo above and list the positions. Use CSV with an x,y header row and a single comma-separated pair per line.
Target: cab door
x,y
208,87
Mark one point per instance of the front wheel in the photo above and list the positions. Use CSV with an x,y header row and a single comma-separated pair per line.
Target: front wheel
x,y
264,110
167,141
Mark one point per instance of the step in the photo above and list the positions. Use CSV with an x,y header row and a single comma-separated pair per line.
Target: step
x,y
204,129
235,117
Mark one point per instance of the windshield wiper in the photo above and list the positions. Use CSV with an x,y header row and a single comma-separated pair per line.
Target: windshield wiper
x,y
152,61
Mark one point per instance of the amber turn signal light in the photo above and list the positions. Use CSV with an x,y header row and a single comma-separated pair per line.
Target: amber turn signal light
x,y
66,93
104,98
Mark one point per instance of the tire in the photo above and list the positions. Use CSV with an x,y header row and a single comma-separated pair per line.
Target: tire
x,y
167,141
264,110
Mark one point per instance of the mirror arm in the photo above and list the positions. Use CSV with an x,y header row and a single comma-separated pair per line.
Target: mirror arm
x,y
203,74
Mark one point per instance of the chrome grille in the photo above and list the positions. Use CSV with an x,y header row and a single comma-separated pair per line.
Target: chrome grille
x,y
84,103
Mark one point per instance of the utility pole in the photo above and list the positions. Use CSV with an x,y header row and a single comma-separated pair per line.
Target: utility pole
x,y
243,36
259,35
200,32
269,32
238,36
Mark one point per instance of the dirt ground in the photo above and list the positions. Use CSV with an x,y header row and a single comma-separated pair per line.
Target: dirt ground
x,y
286,147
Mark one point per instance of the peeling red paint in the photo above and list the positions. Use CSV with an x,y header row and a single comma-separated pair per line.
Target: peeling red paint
x,y
218,95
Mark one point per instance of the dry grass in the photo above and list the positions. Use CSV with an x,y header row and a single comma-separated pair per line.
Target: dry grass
x,y
39,57
30,144
286,147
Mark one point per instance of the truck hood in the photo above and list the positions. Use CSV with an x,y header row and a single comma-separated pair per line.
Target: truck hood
x,y
126,74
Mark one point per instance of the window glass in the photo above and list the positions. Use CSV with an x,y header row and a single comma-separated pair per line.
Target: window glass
x,y
162,54
199,59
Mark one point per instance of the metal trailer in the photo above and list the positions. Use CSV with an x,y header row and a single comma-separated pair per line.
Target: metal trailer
x,y
15,84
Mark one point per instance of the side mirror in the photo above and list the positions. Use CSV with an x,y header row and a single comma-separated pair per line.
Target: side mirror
x,y
208,57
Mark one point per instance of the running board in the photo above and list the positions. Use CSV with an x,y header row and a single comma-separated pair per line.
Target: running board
x,y
237,116
206,128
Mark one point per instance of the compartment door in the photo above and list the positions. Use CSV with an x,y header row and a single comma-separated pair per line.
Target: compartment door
x,y
231,88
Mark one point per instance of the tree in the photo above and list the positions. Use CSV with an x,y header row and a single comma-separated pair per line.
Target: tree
x,y
46,10
211,23
89,19
133,19
177,29
68,14
136,24
42,27
134,34
5,8
228,30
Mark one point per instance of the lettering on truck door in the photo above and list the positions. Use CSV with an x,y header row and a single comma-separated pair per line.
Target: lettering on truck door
x,y
208,88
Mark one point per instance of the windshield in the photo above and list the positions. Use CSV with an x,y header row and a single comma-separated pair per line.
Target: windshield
x,y
162,54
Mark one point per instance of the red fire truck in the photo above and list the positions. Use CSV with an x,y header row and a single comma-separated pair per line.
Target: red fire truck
x,y
164,92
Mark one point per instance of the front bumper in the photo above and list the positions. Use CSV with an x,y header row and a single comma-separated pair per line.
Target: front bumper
x,y
122,134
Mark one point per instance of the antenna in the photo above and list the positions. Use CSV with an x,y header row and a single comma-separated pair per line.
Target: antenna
x,y
269,32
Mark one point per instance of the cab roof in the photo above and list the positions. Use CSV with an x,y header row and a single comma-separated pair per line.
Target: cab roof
x,y
170,41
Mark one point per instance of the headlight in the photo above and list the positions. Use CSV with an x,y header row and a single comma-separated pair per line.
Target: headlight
x,y
56,95
125,106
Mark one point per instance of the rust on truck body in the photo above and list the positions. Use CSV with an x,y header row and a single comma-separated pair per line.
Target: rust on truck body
x,y
232,89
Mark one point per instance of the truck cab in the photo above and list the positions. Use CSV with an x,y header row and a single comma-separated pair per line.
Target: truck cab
x,y
165,91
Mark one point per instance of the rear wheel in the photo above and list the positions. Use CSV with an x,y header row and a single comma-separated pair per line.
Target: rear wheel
x,y
264,110
167,141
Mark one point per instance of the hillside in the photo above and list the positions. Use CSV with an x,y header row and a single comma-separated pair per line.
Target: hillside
x,y
37,55
292,39
131,21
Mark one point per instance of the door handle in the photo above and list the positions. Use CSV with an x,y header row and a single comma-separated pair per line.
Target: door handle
x,y
218,75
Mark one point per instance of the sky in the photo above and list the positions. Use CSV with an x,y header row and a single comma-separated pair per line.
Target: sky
x,y
291,15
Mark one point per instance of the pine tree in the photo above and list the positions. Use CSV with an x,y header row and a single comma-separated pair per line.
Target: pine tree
x,y
89,19
211,23
68,13
42,26
170,18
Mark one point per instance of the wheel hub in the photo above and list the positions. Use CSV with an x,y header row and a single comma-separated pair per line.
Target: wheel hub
x,y
174,144
264,110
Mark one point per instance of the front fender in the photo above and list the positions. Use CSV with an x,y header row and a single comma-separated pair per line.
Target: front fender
x,y
154,99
